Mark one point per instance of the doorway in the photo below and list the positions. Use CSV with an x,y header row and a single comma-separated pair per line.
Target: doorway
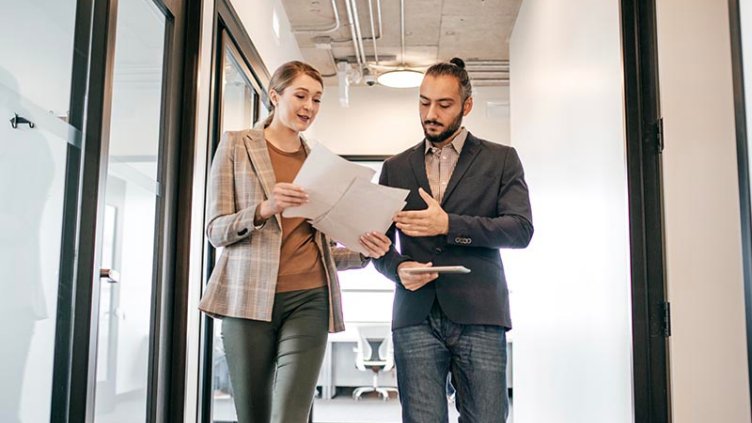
x,y
611,331
89,151
573,96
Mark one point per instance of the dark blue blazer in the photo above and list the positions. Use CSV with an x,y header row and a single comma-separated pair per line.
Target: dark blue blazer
x,y
489,208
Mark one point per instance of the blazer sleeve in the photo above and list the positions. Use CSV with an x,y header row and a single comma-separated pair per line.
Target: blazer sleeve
x,y
346,259
512,228
226,225
388,263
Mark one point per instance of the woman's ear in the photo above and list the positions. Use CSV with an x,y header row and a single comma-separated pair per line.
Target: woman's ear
x,y
273,97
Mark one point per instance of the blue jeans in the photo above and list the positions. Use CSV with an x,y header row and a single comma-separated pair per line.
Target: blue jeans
x,y
475,354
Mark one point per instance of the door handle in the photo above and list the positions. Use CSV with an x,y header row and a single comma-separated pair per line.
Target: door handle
x,y
110,275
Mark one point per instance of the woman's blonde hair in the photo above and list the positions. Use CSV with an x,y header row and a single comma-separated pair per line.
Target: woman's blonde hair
x,y
285,75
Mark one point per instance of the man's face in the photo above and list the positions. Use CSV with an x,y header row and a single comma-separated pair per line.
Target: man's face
x,y
441,107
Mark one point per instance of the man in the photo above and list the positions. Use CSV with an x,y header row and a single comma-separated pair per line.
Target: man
x,y
468,198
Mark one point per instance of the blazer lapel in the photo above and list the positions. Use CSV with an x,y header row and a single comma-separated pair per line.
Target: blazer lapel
x,y
259,156
468,154
418,164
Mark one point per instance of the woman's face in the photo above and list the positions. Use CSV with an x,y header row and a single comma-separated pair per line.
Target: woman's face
x,y
298,104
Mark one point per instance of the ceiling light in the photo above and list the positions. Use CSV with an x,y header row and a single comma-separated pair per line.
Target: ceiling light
x,y
403,78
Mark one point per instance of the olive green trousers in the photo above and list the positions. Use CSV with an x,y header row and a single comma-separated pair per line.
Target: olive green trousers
x,y
274,365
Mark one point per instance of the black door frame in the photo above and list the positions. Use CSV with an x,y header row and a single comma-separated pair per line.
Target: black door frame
x,y
92,79
74,371
227,31
742,157
650,318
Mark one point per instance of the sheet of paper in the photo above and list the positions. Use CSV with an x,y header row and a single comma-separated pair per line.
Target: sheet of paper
x,y
364,207
325,176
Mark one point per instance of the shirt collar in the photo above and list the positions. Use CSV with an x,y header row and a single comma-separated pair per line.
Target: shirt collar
x,y
457,143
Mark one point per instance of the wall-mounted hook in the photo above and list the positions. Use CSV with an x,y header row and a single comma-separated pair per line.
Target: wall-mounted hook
x,y
18,120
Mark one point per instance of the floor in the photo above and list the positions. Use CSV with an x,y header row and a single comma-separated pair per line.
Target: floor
x,y
342,409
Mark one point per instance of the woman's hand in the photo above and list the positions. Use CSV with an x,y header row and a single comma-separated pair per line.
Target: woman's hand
x,y
377,244
284,195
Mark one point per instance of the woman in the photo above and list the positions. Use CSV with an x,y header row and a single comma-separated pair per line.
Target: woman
x,y
275,285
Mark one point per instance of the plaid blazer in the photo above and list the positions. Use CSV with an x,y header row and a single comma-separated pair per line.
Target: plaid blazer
x,y
244,280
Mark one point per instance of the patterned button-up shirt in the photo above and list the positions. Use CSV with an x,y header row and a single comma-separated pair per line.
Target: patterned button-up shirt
x,y
440,163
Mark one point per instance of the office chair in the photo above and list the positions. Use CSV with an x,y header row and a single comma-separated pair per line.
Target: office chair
x,y
374,352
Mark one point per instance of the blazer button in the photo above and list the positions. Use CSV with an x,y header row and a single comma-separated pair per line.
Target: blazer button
x,y
438,250
243,232
458,240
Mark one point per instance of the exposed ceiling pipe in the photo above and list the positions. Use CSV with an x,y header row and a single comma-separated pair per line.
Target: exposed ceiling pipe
x,y
324,30
478,67
495,83
333,63
474,65
358,33
402,30
487,62
471,69
374,36
373,29
353,35
488,73
378,9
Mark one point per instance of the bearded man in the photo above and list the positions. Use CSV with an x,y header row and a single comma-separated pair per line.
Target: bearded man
x,y
468,198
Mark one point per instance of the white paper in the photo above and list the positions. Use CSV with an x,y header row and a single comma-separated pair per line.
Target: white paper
x,y
364,207
343,202
325,177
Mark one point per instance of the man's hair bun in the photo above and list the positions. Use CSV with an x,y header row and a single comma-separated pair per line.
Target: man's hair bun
x,y
456,69
458,62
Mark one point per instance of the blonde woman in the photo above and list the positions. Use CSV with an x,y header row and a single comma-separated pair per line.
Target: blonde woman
x,y
275,285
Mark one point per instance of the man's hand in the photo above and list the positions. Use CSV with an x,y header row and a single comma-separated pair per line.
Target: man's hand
x,y
376,243
429,222
415,281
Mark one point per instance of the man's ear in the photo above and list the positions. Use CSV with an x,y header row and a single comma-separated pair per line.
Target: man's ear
x,y
467,107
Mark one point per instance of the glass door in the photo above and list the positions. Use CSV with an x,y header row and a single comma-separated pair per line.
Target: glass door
x,y
131,221
239,108
36,71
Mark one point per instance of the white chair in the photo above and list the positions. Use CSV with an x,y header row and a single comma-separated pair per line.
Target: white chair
x,y
375,352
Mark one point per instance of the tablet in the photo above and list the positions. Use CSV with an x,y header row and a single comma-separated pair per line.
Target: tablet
x,y
437,269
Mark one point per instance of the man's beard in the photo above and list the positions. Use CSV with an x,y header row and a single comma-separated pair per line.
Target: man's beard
x,y
445,134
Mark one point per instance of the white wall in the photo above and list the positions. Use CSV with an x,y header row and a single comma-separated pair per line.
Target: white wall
x,y
703,246
382,120
570,287
274,46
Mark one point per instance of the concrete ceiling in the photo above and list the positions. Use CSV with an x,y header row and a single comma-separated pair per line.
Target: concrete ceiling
x,y
477,31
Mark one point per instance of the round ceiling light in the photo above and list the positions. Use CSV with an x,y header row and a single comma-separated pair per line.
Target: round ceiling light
x,y
402,78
